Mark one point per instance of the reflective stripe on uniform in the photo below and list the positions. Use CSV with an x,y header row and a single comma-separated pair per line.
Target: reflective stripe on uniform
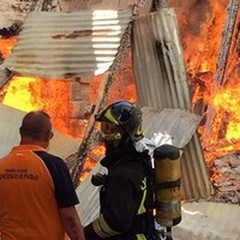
x,y
141,237
142,208
102,229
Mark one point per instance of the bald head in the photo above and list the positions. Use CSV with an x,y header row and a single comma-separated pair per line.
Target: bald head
x,y
36,125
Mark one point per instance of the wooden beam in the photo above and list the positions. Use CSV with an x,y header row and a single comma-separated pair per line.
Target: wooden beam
x,y
227,40
5,76
231,19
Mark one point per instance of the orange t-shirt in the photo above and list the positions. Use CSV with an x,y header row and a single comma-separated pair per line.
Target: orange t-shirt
x,y
33,186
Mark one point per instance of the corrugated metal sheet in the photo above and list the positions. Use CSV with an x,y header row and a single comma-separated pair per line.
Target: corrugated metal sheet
x,y
88,195
56,44
161,83
177,123
158,62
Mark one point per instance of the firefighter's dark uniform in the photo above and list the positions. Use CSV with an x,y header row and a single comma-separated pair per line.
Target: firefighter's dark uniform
x,y
122,198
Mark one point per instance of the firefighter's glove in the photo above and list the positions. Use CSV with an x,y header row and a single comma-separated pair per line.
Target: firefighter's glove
x,y
98,179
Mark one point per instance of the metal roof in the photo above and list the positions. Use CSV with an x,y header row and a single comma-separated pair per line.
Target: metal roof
x,y
57,44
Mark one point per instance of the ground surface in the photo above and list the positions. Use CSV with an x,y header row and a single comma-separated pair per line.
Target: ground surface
x,y
208,221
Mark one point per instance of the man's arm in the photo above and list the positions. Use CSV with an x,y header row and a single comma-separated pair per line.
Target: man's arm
x,y
72,223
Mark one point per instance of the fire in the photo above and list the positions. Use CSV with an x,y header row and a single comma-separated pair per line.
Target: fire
x,y
99,151
201,36
225,130
33,93
204,36
88,166
6,46
201,28
227,100
29,93
90,162
18,94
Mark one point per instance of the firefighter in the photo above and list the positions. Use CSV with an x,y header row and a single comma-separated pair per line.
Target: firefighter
x,y
123,194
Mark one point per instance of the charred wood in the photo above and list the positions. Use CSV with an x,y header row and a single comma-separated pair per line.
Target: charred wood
x,y
232,13
36,5
5,76
231,22
224,125
161,3
238,41
11,31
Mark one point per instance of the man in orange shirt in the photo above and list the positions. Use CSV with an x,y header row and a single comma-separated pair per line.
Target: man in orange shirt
x,y
37,197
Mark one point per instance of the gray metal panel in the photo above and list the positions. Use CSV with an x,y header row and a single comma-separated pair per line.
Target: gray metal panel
x,y
56,44
88,195
195,175
161,83
10,121
177,123
158,62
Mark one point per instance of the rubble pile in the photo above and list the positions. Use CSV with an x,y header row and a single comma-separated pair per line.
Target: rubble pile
x,y
227,182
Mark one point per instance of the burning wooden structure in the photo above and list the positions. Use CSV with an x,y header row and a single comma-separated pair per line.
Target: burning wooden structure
x,y
156,78
159,81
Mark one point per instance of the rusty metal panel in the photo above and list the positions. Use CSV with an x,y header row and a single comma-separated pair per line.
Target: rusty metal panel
x,y
195,175
57,44
161,83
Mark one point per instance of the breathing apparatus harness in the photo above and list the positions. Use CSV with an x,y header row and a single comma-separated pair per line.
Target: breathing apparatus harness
x,y
164,206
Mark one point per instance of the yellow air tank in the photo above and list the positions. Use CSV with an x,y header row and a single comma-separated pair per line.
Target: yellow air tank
x,y
167,185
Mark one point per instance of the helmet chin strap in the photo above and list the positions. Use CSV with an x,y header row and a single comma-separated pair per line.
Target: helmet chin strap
x,y
113,146
111,137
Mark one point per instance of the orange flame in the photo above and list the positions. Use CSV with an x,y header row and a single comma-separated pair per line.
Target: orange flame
x,y
6,46
32,93
228,100
91,163
201,29
201,37
29,93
